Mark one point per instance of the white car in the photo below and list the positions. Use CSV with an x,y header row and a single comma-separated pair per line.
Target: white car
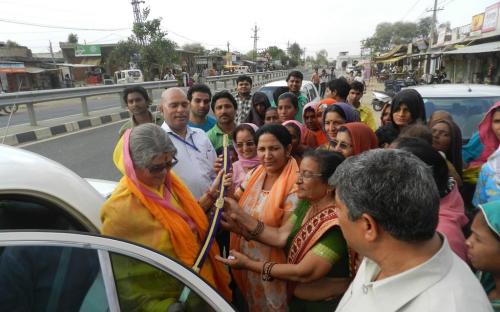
x,y
308,90
467,103
46,265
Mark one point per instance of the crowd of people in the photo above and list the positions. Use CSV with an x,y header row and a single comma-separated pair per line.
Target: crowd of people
x,y
325,207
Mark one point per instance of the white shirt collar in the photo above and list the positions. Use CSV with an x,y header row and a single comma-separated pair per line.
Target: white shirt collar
x,y
395,291
166,127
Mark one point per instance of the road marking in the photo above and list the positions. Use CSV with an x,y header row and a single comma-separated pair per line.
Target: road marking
x,y
71,133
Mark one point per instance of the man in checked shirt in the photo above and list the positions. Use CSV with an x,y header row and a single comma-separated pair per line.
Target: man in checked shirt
x,y
244,98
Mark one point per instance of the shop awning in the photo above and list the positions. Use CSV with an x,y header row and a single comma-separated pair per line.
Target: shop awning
x,y
389,54
391,60
478,48
38,70
74,65
94,61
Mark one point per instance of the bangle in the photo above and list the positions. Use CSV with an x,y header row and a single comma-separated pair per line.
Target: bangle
x,y
258,229
266,271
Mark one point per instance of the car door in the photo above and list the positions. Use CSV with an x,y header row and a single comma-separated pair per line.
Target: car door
x,y
62,271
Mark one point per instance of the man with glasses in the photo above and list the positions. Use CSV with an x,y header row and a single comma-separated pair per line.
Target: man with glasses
x,y
195,153
199,96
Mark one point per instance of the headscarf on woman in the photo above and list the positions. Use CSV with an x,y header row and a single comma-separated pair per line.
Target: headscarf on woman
x,y
321,138
243,164
178,212
362,137
415,103
253,116
454,152
488,138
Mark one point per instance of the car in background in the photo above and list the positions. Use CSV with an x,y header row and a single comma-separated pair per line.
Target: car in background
x,y
128,76
52,255
308,90
467,103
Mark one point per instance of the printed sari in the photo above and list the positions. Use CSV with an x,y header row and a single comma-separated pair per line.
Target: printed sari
x,y
168,220
271,207
321,235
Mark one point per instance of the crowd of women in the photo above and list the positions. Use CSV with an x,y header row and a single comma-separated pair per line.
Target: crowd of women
x,y
287,251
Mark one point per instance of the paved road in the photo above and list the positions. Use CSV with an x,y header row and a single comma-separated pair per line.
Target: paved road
x,y
68,107
88,153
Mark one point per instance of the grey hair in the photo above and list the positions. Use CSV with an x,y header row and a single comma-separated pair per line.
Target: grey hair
x,y
392,186
148,141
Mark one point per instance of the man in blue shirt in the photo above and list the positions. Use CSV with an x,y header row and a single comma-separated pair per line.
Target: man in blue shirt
x,y
199,96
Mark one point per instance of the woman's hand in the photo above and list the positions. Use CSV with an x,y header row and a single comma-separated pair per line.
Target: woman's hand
x,y
228,184
236,260
219,163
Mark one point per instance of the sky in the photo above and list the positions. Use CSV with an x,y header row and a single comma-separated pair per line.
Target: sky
x,y
323,24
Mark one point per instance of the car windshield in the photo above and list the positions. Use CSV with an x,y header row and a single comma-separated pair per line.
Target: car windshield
x,y
467,112
269,92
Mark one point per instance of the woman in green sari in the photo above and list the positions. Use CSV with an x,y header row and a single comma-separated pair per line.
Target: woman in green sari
x,y
318,267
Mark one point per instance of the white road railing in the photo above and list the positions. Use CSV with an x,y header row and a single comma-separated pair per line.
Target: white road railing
x,y
31,98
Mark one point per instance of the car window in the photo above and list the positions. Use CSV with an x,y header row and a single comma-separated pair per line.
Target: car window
x,y
31,212
269,92
140,286
49,278
312,93
306,90
467,112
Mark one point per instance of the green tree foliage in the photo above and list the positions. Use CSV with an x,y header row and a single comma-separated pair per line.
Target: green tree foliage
x,y
73,38
194,47
388,34
277,54
295,52
321,58
12,44
148,47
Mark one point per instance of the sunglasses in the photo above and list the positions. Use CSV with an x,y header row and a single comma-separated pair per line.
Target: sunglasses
x,y
342,145
159,168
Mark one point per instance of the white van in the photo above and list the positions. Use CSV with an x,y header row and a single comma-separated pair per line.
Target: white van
x,y
128,76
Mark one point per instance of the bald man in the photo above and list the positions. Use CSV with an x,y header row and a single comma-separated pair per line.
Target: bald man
x,y
195,153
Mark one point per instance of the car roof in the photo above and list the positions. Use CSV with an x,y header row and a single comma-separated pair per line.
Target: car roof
x,y
282,83
456,90
24,172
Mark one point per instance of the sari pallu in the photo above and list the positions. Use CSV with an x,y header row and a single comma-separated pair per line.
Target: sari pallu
x,y
260,295
178,213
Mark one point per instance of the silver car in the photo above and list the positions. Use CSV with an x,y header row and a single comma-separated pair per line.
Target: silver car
x,y
467,103
46,265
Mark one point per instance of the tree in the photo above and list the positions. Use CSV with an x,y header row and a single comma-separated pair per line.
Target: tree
x,y
194,47
424,27
277,54
148,47
73,38
322,58
295,52
12,44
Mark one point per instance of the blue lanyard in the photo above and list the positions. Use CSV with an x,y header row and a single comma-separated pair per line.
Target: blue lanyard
x,y
192,145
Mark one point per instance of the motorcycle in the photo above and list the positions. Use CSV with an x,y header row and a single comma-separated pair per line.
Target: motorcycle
x,y
380,98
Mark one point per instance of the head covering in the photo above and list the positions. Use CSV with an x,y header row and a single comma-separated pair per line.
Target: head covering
x,y
247,162
310,105
362,137
254,117
454,152
491,213
415,103
487,137
345,110
298,124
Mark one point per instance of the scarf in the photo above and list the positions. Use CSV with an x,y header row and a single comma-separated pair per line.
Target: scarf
x,y
362,137
487,137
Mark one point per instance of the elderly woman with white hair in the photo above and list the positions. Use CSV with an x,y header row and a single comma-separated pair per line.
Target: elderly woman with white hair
x,y
153,207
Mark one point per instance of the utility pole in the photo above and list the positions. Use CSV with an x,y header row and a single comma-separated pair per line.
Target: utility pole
x,y
137,10
304,56
431,35
51,52
228,51
255,38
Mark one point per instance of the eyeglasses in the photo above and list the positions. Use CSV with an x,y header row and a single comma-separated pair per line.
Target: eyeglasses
x,y
308,174
159,168
247,144
342,145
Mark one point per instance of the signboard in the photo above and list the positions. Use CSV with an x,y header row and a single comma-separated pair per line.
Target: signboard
x,y
12,68
465,30
490,18
83,50
477,24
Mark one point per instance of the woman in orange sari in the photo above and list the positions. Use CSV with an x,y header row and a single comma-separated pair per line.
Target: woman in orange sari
x,y
269,195
153,207
317,267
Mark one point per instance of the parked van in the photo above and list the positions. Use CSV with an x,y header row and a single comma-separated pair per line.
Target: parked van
x,y
128,76
236,69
